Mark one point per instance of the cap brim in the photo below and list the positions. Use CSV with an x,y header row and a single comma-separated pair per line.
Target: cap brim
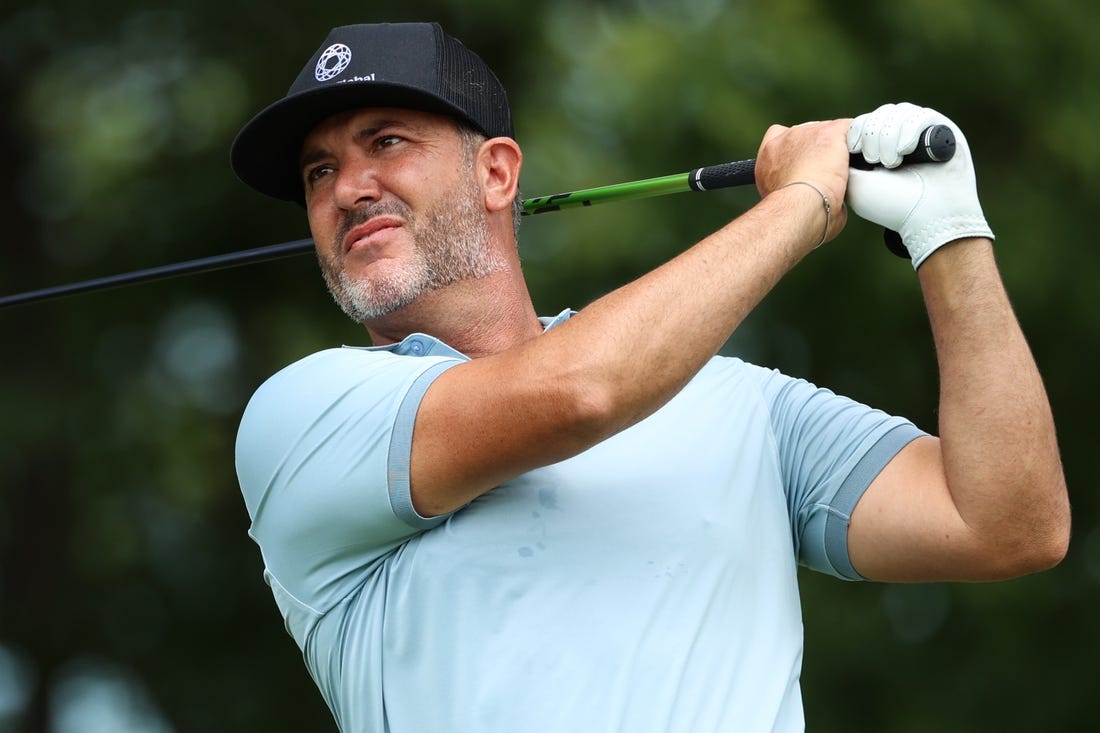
x,y
266,153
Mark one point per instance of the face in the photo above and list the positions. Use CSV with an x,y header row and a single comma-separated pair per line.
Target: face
x,y
395,208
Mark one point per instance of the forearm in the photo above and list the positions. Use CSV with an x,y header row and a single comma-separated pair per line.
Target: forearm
x,y
1000,454
668,323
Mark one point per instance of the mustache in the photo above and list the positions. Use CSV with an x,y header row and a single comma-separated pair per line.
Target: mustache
x,y
365,213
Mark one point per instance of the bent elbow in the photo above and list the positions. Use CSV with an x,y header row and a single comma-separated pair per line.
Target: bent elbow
x,y
1058,527
1054,547
592,414
593,407
1042,555
1040,548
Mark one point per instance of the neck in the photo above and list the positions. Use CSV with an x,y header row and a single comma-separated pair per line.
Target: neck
x,y
477,317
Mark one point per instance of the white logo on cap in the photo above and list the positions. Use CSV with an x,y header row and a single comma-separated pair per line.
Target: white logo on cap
x,y
332,62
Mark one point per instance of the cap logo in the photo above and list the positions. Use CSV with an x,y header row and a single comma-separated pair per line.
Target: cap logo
x,y
332,62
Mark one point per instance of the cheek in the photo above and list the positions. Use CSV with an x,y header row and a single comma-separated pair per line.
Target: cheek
x,y
322,221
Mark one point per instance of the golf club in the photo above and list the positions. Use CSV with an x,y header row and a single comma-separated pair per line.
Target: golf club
x,y
937,144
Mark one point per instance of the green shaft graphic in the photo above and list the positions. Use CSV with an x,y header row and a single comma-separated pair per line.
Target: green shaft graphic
x,y
676,183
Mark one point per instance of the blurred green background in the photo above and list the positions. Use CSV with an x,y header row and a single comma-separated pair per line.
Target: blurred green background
x,y
130,596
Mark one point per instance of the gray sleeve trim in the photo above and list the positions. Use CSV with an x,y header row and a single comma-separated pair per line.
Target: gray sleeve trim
x,y
400,452
846,498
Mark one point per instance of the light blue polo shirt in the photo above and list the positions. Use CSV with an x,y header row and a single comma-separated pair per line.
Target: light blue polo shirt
x,y
645,585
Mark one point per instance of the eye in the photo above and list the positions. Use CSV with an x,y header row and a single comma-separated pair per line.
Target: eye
x,y
314,174
387,141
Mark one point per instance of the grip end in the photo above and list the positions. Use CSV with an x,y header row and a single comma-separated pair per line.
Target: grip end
x,y
938,142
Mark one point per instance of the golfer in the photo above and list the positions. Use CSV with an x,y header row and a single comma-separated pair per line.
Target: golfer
x,y
495,520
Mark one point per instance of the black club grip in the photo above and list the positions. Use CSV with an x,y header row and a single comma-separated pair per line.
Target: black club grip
x,y
936,145
724,175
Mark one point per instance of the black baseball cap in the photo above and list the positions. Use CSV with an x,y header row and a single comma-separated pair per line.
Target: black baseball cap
x,y
407,65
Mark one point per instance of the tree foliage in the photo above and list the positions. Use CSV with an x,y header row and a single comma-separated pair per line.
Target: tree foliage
x,y
128,586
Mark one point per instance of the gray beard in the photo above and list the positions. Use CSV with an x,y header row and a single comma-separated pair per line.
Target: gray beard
x,y
452,244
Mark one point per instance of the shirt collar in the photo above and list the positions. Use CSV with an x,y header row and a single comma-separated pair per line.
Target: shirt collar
x,y
421,344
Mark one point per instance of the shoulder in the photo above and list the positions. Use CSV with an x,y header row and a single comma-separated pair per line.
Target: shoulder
x,y
733,373
329,388
334,362
331,372
780,390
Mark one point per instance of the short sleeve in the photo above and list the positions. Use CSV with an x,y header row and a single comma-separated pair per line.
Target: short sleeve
x,y
830,450
322,458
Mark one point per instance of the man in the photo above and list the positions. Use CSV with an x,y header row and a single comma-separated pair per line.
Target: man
x,y
489,521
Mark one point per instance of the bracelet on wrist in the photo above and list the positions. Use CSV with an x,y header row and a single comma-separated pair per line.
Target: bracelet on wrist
x,y
825,202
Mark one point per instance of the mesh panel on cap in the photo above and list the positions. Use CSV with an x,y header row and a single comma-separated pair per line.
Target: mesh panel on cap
x,y
469,83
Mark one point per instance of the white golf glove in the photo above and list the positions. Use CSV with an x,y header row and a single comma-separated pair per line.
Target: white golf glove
x,y
928,204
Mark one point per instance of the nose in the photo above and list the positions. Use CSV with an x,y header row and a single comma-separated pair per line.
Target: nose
x,y
357,183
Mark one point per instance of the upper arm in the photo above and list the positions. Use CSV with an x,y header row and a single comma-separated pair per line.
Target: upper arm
x,y
829,450
906,526
488,420
318,460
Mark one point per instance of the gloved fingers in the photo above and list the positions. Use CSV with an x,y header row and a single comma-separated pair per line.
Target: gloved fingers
x,y
900,132
863,137
886,135
866,133
888,120
855,134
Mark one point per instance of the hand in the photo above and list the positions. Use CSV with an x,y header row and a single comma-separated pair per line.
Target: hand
x,y
814,153
928,204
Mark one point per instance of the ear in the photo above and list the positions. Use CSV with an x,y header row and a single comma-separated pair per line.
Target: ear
x,y
500,160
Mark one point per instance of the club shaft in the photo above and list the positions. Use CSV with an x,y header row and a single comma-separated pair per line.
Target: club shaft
x,y
190,267
937,144
585,197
